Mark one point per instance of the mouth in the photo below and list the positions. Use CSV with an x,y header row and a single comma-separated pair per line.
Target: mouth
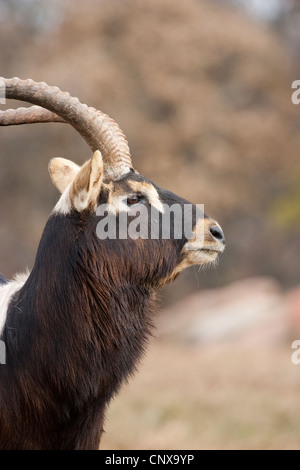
x,y
209,252
203,255
213,251
206,254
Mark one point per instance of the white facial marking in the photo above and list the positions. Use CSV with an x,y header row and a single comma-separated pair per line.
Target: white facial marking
x,y
203,248
154,199
144,188
113,204
7,291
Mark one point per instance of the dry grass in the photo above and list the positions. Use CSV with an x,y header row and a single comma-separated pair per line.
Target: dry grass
x,y
191,398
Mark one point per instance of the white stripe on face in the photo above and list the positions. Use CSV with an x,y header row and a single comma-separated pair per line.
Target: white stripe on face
x,y
149,191
117,198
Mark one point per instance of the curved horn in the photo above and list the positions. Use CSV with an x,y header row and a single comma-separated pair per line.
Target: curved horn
x,y
98,130
31,115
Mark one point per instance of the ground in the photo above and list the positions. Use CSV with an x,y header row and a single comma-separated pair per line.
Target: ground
x,y
216,397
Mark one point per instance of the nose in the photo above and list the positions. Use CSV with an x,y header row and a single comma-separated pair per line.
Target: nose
x,y
217,233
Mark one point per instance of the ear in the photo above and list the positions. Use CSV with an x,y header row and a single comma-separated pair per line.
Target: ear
x,y
62,172
86,187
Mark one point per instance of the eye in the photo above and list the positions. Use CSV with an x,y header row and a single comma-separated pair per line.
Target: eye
x,y
134,199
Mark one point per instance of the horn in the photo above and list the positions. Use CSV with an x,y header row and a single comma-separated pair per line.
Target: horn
x,y
53,105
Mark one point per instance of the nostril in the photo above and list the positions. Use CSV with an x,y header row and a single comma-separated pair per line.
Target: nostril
x,y
217,233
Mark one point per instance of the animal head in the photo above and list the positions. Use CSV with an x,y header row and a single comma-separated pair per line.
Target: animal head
x,y
147,232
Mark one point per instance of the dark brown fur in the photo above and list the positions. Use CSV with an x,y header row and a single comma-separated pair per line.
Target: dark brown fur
x,y
76,331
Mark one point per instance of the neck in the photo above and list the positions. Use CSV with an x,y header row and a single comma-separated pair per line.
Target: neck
x,y
79,331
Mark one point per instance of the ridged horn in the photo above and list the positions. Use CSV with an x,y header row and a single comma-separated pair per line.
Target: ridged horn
x,y
53,105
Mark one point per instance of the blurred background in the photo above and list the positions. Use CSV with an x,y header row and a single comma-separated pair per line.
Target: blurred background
x,y
202,90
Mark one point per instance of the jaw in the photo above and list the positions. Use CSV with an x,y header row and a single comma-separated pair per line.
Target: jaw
x,y
195,255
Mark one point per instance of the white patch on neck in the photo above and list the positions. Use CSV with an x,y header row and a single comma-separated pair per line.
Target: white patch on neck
x,y
7,291
63,205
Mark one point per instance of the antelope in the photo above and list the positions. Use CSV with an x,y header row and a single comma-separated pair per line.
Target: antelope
x,y
76,326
